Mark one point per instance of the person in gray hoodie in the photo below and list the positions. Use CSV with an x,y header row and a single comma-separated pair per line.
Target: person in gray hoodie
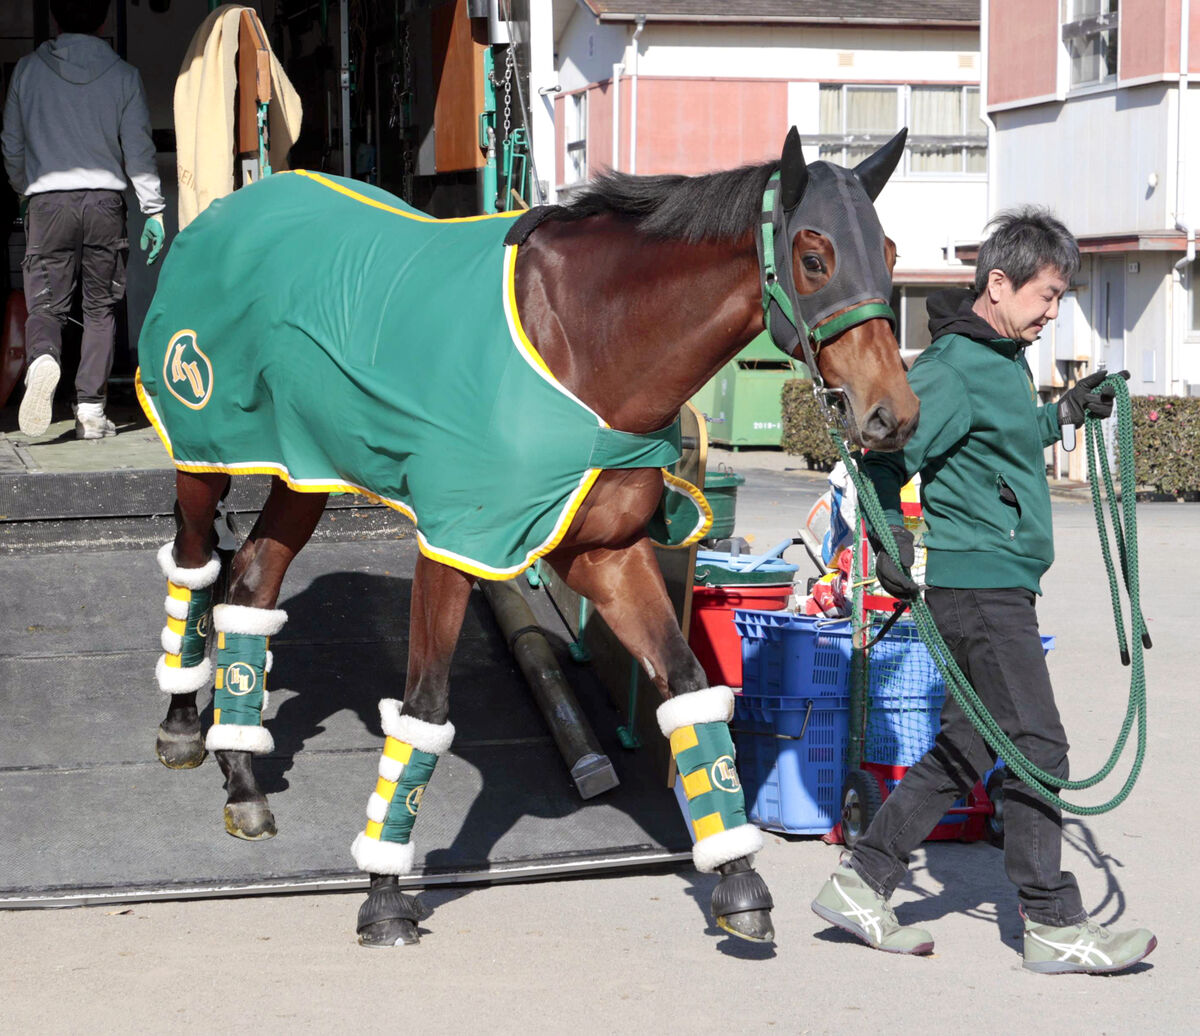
x,y
76,133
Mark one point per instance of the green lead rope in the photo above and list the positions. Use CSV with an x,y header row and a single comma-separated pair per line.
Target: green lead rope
x,y
1125,533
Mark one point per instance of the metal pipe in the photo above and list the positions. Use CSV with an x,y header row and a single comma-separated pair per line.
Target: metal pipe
x,y
1183,266
633,96
344,79
590,768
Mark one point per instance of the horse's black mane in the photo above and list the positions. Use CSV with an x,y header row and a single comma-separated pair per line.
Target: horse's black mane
x,y
714,207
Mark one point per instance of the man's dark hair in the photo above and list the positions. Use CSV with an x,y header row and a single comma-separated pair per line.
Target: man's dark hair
x,y
82,16
1022,242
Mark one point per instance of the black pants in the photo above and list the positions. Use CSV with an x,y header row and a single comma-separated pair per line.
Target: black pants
x,y
68,233
993,635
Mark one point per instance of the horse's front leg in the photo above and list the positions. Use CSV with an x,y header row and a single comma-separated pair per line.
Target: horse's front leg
x,y
416,734
627,589
244,627
192,569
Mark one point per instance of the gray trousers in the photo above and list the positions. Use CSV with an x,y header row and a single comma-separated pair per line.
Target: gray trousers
x,y
993,636
69,234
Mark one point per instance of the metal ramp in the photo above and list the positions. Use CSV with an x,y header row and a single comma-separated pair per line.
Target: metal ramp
x,y
90,815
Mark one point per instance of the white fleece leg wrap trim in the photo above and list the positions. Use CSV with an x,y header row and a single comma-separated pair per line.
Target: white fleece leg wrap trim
x,y
191,578
234,738
258,622
176,609
376,857
711,705
172,642
172,680
709,853
433,738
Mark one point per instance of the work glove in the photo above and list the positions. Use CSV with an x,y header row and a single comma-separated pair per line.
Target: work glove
x,y
1076,403
153,237
894,579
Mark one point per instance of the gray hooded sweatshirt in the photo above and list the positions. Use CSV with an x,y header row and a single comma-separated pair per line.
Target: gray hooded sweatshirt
x,y
76,118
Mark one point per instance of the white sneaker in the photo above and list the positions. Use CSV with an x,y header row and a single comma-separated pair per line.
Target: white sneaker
x,y
41,379
91,422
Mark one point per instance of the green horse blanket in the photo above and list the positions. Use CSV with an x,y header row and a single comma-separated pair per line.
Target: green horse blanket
x,y
321,330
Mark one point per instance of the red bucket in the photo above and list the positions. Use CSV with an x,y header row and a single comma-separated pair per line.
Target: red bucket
x,y
714,638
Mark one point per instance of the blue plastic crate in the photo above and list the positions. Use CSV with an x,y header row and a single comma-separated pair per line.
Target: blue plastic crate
x,y
793,656
791,759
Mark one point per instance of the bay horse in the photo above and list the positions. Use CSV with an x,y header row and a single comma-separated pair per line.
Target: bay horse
x,y
621,304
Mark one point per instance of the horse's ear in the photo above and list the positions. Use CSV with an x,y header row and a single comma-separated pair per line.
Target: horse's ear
x,y
873,172
793,171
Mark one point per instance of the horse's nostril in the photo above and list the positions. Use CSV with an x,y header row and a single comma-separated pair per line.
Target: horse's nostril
x,y
880,424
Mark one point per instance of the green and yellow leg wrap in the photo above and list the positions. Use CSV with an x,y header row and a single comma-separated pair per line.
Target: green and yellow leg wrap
x,y
697,725
409,755
240,692
183,667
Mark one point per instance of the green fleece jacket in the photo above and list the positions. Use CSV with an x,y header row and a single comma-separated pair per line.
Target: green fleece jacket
x,y
979,450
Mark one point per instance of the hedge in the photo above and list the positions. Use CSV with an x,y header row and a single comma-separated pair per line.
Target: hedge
x,y
1166,443
805,432
1166,438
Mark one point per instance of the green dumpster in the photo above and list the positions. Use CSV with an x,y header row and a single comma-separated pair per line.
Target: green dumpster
x,y
741,403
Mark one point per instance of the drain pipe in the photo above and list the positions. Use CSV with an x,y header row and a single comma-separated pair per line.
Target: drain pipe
x,y
633,105
1183,267
617,71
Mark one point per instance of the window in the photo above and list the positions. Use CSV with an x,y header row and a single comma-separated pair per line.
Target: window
x,y
575,168
1089,33
945,132
909,303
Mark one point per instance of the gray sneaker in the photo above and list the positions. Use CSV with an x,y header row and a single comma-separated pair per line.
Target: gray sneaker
x,y
1086,948
41,379
91,422
853,906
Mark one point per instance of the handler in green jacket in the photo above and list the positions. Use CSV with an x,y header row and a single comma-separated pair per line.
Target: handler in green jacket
x,y
979,451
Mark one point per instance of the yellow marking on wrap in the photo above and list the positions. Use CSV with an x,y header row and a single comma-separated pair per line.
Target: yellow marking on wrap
x,y
179,593
220,640
696,784
220,681
374,829
682,485
216,716
683,739
176,625
416,217
709,825
385,789
396,749
173,661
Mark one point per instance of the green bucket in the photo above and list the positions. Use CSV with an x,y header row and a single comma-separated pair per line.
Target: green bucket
x,y
720,487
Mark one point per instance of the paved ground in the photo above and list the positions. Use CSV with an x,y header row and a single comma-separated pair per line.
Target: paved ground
x,y
639,953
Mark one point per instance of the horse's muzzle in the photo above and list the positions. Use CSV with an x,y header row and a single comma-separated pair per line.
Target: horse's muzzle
x,y
882,430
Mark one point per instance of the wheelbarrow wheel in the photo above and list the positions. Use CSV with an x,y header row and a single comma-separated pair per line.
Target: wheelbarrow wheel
x,y
861,800
994,821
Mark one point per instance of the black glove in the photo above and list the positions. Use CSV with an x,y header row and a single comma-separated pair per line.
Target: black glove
x,y
892,578
1076,403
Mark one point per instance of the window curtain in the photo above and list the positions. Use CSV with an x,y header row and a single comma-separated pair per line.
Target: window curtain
x,y
937,111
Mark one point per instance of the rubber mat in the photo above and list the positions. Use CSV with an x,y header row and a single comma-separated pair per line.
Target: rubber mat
x,y
88,814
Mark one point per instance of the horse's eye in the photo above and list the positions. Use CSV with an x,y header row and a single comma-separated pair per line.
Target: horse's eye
x,y
813,264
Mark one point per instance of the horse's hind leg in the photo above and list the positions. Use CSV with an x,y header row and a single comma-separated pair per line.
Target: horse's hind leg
x,y
192,569
627,589
244,627
416,736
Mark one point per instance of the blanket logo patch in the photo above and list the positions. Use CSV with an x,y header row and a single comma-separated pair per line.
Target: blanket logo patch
x,y
187,372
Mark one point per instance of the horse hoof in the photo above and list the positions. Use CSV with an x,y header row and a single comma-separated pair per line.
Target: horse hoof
x,y
252,821
741,903
179,751
751,925
388,917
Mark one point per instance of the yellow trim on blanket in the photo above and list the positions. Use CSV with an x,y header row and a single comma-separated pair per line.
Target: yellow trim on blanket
x,y
682,485
415,217
444,557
